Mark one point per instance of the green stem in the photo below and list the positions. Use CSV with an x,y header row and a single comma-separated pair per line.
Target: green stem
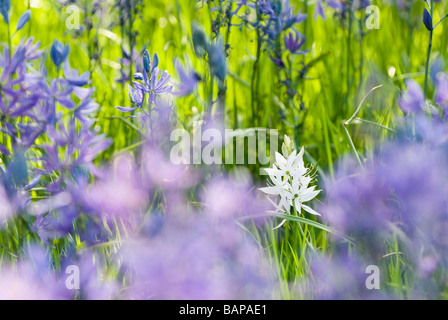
x,y
352,146
440,21
29,22
361,49
346,123
302,232
9,43
291,99
305,10
254,90
229,24
2,156
377,125
131,42
210,97
428,53
127,122
360,105
349,55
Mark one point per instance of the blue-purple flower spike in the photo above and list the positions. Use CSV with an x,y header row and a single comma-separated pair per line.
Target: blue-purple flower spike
x,y
4,9
427,20
59,52
24,18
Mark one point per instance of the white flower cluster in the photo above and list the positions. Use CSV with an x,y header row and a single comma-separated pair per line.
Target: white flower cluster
x,y
290,181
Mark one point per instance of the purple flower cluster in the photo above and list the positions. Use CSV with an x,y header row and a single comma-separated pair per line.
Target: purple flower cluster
x,y
48,139
32,279
398,198
141,200
128,11
342,8
196,254
274,20
148,82
277,18
168,250
319,7
128,60
338,277
413,101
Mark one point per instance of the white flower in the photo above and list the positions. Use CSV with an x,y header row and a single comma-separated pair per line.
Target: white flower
x,y
293,166
290,181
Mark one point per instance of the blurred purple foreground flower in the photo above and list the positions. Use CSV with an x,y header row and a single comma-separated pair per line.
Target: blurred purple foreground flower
x,y
196,257
404,192
189,254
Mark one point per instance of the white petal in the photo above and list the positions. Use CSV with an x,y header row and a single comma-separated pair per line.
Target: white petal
x,y
282,223
281,161
298,205
309,194
302,151
277,208
271,190
308,209
291,159
274,172
299,159
284,202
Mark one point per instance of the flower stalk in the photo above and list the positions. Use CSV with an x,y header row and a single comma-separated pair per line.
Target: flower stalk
x,y
425,90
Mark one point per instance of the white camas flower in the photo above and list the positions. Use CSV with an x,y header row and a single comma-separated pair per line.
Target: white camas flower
x,y
290,181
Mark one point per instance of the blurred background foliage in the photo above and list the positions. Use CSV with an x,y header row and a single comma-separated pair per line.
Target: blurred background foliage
x,y
346,63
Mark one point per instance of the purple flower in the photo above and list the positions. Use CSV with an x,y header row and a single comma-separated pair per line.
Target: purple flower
x,y
70,149
18,106
195,258
278,61
337,278
50,95
153,85
334,4
401,193
163,173
93,283
135,59
427,20
16,66
4,9
441,97
359,205
85,110
119,194
156,85
412,100
136,95
55,217
319,10
294,43
73,78
280,15
59,52
217,59
188,80
32,279
245,201
24,18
